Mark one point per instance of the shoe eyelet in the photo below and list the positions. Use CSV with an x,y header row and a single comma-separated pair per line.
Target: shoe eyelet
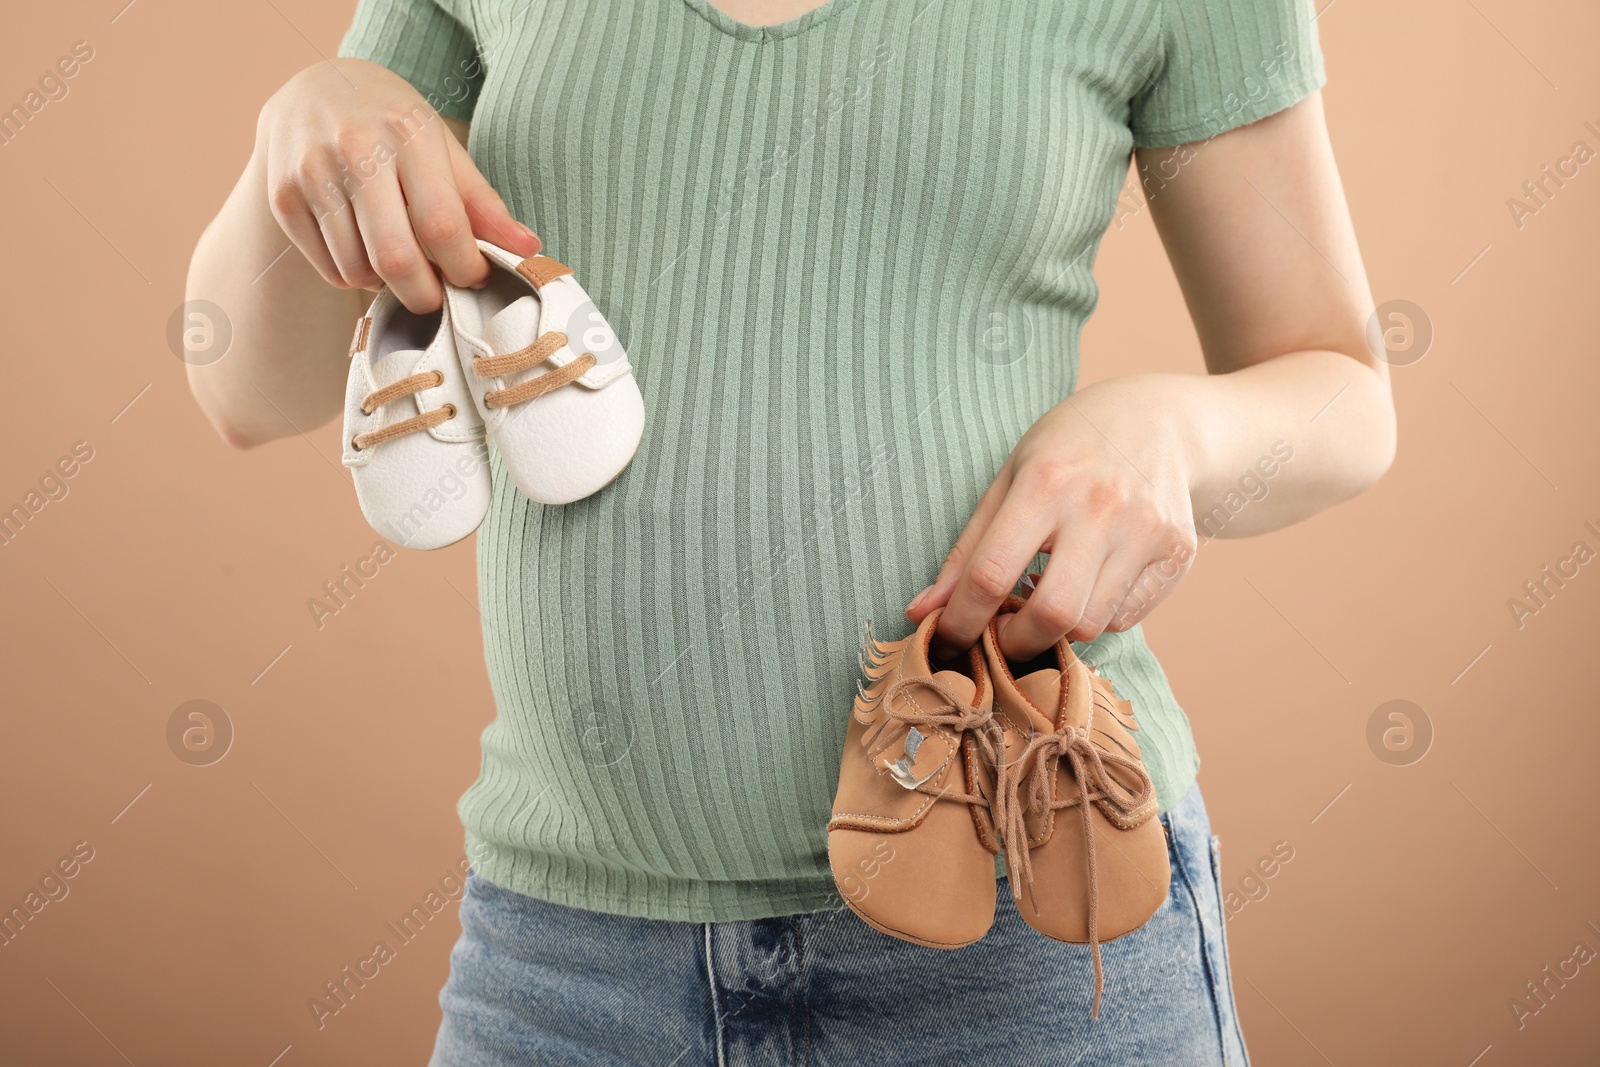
x,y
354,446
451,408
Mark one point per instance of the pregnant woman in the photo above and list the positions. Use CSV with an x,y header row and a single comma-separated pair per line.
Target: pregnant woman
x,y
850,249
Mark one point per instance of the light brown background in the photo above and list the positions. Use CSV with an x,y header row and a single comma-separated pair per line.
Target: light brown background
x,y
1416,905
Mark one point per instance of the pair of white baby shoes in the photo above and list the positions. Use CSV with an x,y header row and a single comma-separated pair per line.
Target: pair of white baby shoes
x,y
527,361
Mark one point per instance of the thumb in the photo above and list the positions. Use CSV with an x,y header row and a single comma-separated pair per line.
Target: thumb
x,y
487,213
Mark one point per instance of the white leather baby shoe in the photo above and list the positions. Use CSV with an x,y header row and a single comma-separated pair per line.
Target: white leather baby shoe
x,y
412,436
549,377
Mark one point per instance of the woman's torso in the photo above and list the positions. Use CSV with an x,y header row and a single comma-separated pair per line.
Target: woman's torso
x,y
850,259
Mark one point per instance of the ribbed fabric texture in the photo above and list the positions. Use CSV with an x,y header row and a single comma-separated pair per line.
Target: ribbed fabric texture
x,y
850,257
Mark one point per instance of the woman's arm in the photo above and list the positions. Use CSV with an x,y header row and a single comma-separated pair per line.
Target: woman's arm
x,y
1266,255
282,370
362,184
1114,480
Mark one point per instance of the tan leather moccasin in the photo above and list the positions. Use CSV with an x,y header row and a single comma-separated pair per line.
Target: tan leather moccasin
x,y
1074,805
904,839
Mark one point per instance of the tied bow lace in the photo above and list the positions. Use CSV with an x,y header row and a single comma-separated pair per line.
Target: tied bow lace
x,y
1024,789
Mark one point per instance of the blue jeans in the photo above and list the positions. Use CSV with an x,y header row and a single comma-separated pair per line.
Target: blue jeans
x,y
533,982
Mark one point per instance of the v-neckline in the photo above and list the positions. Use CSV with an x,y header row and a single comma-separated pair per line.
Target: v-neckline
x,y
746,32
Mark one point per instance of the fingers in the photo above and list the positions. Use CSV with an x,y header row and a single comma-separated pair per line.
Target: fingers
x,y
1018,529
1058,603
1087,589
437,214
370,184
938,594
366,218
300,226
1117,549
392,247
1149,588
486,212
343,238
1110,588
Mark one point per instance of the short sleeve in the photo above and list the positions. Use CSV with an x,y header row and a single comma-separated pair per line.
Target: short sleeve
x,y
1225,64
425,45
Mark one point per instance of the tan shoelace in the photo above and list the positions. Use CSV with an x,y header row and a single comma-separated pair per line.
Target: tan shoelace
x,y
404,387
1095,782
526,359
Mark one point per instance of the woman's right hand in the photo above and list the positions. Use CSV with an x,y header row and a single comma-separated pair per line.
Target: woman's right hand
x,y
370,184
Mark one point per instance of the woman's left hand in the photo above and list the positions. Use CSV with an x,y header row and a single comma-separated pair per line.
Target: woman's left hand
x,y
1101,483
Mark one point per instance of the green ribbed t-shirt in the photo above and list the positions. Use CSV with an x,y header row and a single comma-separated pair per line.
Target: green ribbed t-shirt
x,y
850,257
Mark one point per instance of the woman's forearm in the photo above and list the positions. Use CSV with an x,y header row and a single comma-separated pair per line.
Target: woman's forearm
x,y
1330,416
282,373
1270,444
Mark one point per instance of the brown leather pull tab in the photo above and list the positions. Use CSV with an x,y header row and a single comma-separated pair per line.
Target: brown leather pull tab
x,y
359,341
542,269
